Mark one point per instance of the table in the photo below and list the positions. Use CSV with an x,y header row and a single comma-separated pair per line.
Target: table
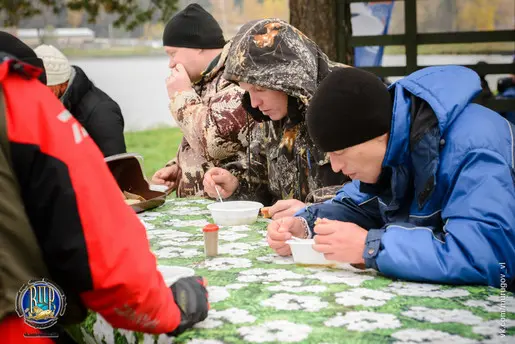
x,y
259,297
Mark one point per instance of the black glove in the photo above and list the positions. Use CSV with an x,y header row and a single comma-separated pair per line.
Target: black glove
x,y
191,297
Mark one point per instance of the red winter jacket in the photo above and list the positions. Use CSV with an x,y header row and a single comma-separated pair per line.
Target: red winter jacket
x,y
92,243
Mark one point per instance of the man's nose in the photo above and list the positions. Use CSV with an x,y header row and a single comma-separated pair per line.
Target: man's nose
x,y
335,165
255,101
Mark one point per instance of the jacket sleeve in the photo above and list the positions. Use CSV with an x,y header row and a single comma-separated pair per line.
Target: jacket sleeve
x,y
175,159
477,238
349,205
92,242
217,130
106,128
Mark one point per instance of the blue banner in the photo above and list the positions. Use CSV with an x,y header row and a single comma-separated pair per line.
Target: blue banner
x,y
370,19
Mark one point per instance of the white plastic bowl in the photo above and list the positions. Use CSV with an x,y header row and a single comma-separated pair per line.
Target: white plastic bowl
x,y
235,213
303,253
172,273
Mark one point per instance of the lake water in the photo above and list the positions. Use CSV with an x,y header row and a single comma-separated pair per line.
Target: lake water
x,y
138,83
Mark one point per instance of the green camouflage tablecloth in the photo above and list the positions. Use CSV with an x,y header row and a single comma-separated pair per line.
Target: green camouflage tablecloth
x,y
258,297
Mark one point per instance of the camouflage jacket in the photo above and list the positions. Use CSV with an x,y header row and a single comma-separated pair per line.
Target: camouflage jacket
x,y
275,55
215,127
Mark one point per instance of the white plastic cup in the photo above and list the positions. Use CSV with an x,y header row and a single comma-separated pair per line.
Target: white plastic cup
x,y
303,253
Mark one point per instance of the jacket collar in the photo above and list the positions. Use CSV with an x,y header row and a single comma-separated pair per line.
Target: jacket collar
x,y
78,86
411,160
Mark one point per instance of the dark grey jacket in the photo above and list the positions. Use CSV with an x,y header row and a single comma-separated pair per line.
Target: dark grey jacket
x,y
96,111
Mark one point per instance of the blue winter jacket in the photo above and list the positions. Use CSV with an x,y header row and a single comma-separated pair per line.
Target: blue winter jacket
x,y
447,211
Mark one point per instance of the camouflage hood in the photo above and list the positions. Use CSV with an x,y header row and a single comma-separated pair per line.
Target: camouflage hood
x,y
273,54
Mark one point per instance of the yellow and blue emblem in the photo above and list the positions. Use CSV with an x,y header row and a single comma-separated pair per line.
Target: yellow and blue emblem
x,y
40,303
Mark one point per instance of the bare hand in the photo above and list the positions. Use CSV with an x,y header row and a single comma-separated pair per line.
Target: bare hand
x,y
282,230
285,208
223,179
340,241
167,176
178,81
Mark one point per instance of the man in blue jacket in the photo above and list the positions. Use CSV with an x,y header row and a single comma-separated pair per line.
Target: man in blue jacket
x,y
433,191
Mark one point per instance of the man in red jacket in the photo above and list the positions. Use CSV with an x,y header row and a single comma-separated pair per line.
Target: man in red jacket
x,y
62,218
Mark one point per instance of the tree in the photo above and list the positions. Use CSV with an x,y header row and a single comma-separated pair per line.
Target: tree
x,y
74,18
206,4
238,4
448,11
320,23
130,13
16,10
478,15
257,9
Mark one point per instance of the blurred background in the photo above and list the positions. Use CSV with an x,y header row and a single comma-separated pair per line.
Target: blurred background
x,y
131,67
120,48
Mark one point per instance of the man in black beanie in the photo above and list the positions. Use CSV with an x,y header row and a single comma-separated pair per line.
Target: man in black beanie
x,y
433,191
11,45
205,106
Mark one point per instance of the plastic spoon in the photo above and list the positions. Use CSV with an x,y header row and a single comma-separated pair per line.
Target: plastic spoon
x,y
218,193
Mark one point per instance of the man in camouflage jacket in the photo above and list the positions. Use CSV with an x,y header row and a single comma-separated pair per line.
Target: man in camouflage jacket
x,y
272,55
204,105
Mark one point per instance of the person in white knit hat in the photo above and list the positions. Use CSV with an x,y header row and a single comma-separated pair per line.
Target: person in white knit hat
x,y
95,110
57,67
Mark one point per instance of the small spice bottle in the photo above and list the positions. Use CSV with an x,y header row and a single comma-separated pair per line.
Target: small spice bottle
x,y
210,240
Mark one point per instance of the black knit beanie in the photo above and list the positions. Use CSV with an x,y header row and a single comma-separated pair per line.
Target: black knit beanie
x,y
350,106
13,46
193,27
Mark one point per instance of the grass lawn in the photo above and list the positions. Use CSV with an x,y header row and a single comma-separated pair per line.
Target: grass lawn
x,y
156,146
